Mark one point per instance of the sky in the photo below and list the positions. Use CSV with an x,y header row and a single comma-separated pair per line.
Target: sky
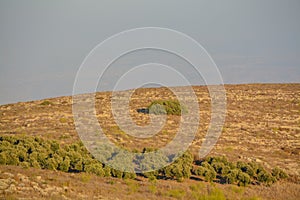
x,y
43,43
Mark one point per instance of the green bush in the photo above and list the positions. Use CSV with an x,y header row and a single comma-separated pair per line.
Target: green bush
x,y
46,103
205,170
210,175
107,171
25,164
199,171
95,168
243,179
151,162
218,167
180,168
265,177
65,164
231,177
3,159
245,168
170,107
279,173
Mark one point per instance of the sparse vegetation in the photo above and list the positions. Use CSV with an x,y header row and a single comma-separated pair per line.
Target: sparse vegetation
x,y
176,193
209,192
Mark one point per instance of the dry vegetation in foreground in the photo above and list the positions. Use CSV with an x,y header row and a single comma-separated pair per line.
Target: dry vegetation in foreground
x,y
47,184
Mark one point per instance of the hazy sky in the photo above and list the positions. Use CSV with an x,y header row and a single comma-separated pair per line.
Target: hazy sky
x,y
43,43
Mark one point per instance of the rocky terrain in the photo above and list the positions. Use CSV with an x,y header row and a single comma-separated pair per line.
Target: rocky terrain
x,y
262,124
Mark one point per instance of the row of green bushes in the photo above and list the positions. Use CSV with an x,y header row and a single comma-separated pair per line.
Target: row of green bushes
x,y
45,154
240,173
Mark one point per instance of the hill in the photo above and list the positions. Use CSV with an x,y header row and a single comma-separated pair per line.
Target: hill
x,y
262,125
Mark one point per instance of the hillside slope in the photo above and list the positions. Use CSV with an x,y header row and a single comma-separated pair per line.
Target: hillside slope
x,y
262,125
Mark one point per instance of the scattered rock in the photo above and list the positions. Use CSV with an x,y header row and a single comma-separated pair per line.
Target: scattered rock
x,y
11,189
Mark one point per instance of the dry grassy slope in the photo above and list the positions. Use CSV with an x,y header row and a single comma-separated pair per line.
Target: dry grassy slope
x,y
262,122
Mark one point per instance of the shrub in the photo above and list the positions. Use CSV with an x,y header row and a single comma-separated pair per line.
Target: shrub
x,y
218,166
256,168
54,146
51,163
3,159
209,175
225,170
243,179
95,168
107,171
65,164
12,158
129,175
151,161
231,177
205,170
279,173
116,173
46,103
199,171
222,159
179,169
265,177
170,107
25,165
35,164
157,109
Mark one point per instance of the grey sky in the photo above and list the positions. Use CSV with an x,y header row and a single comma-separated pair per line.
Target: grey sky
x,y
43,43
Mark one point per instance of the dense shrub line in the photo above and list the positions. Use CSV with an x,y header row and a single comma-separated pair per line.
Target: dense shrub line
x,y
240,173
46,154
